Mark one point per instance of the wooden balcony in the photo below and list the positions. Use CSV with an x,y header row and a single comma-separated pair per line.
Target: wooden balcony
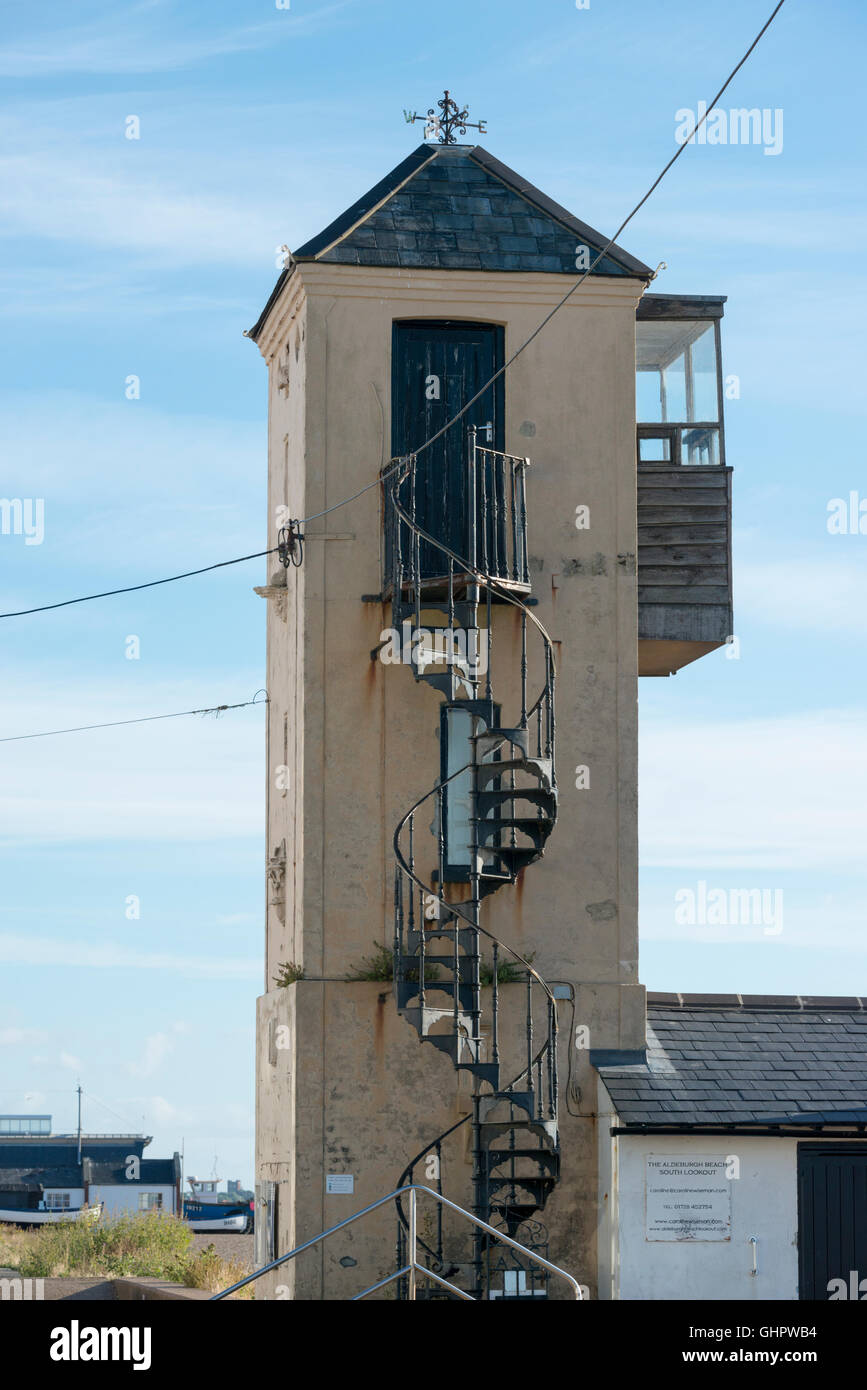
x,y
684,564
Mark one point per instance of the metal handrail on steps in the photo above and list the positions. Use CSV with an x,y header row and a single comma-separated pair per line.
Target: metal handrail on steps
x,y
412,1269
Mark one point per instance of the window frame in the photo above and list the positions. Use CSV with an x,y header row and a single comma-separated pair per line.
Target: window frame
x,y
455,873
670,309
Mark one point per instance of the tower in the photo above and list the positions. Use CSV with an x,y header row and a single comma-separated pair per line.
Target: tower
x,y
452,671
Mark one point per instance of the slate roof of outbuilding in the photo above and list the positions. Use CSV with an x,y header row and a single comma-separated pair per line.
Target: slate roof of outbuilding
x,y
456,207
746,1059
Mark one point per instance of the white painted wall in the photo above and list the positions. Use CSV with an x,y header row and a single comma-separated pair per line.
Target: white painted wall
x,y
764,1203
76,1195
123,1197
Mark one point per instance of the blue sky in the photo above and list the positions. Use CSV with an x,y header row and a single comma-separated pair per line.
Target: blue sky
x,y
149,257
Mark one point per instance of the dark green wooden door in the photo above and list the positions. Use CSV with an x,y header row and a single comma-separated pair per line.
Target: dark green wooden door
x,y
832,1221
437,366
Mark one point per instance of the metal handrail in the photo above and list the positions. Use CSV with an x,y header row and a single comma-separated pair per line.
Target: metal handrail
x,y
412,1268
521,459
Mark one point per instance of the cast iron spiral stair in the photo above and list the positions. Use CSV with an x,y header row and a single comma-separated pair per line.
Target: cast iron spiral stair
x,y
438,964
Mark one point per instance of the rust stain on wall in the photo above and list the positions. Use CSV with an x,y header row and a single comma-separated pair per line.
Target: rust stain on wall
x,y
519,892
379,1027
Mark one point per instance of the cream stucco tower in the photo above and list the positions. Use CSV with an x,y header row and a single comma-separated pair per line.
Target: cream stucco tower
x,y
443,269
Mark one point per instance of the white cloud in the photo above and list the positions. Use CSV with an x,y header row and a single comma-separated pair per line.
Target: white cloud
x,y
71,180
47,952
55,292
13,1037
789,224
764,794
148,782
131,488
807,914
162,1114
123,210
71,1063
32,1101
813,593
125,42
157,1048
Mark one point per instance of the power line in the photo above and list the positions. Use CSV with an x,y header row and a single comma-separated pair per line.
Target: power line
x,y
557,307
396,463
146,719
122,1118
131,588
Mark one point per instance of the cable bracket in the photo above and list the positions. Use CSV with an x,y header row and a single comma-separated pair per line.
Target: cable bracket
x,y
290,545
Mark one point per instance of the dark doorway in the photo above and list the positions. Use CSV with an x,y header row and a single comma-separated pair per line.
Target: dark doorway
x,y
437,366
832,1221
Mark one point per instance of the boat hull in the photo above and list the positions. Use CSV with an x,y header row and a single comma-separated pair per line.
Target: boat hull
x,y
11,1217
202,1219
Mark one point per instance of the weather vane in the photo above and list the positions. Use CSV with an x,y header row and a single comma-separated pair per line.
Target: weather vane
x,y
445,124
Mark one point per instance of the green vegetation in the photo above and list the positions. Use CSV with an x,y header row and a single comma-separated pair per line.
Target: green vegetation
x,y
288,973
380,967
509,972
145,1245
206,1269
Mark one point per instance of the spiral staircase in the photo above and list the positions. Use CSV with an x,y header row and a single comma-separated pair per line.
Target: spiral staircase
x,y
441,976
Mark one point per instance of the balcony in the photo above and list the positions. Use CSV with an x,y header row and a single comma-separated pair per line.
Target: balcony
x,y
478,511
684,484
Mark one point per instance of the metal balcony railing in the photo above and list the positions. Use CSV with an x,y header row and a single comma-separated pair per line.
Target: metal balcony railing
x,y
479,512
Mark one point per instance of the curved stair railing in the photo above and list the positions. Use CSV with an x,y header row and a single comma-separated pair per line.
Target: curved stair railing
x,y
439,972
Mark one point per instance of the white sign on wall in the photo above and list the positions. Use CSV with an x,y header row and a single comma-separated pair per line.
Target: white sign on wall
x,y
687,1198
342,1183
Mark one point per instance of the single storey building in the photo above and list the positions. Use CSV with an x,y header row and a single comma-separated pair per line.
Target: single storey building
x,y
733,1154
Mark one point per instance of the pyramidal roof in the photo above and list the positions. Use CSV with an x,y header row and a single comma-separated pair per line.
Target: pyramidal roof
x,y
456,207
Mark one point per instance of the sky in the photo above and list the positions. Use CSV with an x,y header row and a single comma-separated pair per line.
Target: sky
x,y
133,406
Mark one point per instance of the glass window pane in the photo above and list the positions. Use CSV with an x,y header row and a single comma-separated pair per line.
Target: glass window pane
x,y
648,396
700,446
459,793
674,406
705,404
654,450
676,371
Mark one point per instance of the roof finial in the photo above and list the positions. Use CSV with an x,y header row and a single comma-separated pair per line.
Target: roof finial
x,y
450,119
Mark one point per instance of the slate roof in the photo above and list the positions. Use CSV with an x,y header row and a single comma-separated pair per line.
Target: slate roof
x,y
151,1170
456,207
742,1059
51,1150
34,1179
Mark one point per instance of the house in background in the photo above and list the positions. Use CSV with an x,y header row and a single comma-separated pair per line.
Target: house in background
x,y
453,665
45,1172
